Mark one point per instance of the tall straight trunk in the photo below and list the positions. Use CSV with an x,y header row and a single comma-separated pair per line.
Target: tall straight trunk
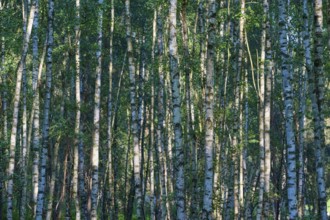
x,y
3,83
10,170
301,138
109,129
317,78
161,113
240,71
136,148
288,105
302,91
267,110
96,121
152,121
176,103
209,117
24,149
78,114
35,106
260,210
45,128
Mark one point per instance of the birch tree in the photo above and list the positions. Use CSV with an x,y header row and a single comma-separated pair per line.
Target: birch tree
x,y
288,105
136,147
317,92
78,113
96,121
176,104
209,118
11,167
45,126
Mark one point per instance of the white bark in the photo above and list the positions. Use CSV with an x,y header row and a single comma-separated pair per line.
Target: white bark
x,y
288,105
267,109
13,135
176,103
209,118
36,134
45,128
96,121
24,155
152,121
136,148
78,114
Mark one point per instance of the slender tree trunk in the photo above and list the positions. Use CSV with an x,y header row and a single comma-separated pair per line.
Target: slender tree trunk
x,y
10,171
36,111
288,105
3,83
96,122
137,161
176,103
24,156
209,118
152,121
261,199
267,110
317,78
161,113
78,114
45,128
109,129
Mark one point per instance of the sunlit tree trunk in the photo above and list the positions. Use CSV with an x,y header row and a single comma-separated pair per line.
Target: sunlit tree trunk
x,y
136,148
262,115
45,128
152,121
176,103
35,106
10,170
267,110
78,114
209,118
288,105
96,121
240,69
302,110
24,155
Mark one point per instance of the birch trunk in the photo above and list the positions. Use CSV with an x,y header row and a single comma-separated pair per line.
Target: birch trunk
x,y
209,118
288,105
260,210
267,110
136,148
302,109
176,103
10,171
96,121
78,114
317,107
45,128
161,113
240,71
36,111
24,154
152,121
109,129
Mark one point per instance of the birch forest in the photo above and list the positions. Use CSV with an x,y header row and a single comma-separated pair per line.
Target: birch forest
x,y
164,109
